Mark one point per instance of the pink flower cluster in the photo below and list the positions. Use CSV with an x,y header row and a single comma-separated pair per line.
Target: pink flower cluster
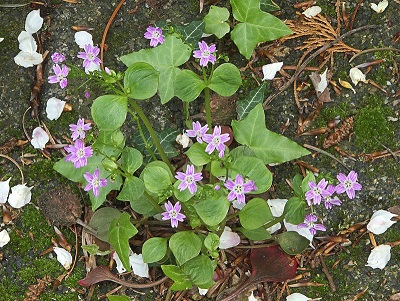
x,y
60,73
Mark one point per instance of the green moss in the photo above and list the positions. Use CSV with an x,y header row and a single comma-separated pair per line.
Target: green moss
x,y
371,126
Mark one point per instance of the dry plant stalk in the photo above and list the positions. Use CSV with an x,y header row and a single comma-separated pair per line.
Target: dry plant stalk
x,y
318,31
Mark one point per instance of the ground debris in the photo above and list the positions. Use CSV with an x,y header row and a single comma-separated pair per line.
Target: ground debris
x,y
35,290
340,133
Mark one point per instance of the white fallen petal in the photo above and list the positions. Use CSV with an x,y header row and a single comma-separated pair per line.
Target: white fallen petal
x,y
228,239
118,262
323,83
26,59
252,298
380,7
139,267
4,190
277,206
183,139
4,238
33,21
237,205
1,39
39,138
20,196
312,11
54,108
63,257
380,221
357,76
379,257
83,38
202,291
26,42
270,70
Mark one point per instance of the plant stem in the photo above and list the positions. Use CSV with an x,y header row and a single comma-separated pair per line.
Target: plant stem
x,y
207,104
153,134
17,165
274,221
153,202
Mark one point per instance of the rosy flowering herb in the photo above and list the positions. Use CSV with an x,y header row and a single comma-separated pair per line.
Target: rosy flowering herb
x,y
216,140
89,56
78,130
57,57
198,131
95,182
310,223
60,76
87,94
348,184
205,54
188,179
330,200
316,192
238,188
173,213
154,34
78,153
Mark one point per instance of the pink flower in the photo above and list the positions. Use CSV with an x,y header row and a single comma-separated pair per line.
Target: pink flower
x,y
198,131
309,222
329,200
94,182
316,192
89,57
78,153
239,188
348,184
205,54
216,141
57,57
79,129
154,34
87,94
60,76
188,179
173,213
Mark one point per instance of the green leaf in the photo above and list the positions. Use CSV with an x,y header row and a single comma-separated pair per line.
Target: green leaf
x,y
256,27
245,105
154,249
212,211
121,230
266,145
157,177
101,221
109,143
255,214
226,80
185,245
215,21
296,185
269,6
294,211
192,32
118,298
255,234
143,206
211,242
292,243
181,281
68,170
254,169
132,189
167,139
109,111
131,159
188,85
308,178
200,270
166,59
141,81
197,154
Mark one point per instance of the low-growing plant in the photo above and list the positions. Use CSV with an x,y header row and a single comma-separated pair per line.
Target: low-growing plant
x,y
220,183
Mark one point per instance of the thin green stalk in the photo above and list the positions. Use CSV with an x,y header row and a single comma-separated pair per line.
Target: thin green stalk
x,y
207,100
274,221
146,145
153,134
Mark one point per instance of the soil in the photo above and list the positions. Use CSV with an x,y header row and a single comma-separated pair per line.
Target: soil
x,y
24,260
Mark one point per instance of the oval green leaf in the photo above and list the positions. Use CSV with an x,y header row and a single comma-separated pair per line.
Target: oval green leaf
x,y
141,80
109,111
255,214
